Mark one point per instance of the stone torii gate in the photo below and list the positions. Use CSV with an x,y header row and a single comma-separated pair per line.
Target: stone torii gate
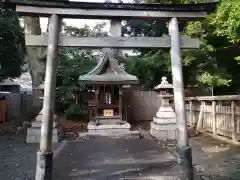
x,y
115,12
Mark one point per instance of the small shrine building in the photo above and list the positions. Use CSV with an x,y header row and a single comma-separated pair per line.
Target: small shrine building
x,y
107,80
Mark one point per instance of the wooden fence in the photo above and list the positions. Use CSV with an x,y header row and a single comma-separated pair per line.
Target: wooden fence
x,y
141,105
17,104
219,115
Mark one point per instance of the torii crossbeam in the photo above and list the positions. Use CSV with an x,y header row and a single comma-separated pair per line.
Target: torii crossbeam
x,y
115,12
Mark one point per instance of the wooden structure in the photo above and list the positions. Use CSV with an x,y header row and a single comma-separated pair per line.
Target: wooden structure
x,y
107,78
219,115
60,9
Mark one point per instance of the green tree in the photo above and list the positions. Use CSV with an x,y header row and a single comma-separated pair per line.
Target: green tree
x,y
212,80
12,44
85,31
227,20
74,62
208,60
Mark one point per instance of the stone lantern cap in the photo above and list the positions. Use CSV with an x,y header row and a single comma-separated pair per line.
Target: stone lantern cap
x,y
164,85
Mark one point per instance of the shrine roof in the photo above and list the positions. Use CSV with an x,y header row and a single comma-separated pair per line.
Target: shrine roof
x,y
199,7
108,71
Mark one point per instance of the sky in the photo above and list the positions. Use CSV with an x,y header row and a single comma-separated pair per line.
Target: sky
x,y
81,22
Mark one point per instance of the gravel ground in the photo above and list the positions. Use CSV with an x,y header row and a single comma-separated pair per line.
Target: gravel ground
x,y
212,159
216,158
17,159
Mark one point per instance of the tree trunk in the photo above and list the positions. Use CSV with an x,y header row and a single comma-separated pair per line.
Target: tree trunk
x,y
37,68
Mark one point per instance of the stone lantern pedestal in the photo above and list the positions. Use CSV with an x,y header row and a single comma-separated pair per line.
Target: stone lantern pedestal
x,y
34,132
164,124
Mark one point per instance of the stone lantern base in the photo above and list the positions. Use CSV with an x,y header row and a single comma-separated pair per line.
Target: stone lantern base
x,y
164,125
34,132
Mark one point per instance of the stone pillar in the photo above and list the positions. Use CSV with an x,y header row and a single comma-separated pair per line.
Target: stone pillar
x,y
50,129
45,154
164,125
183,148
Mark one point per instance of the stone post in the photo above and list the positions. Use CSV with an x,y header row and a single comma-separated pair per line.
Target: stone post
x,y
164,125
45,154
184,150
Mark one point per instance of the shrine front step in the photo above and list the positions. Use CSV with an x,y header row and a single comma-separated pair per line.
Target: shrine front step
x,y
113,134
106,126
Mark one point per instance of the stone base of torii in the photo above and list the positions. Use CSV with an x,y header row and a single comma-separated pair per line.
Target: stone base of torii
x,y
34,132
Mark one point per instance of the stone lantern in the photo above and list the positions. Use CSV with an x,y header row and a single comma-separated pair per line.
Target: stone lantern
x,y
164,125
34,132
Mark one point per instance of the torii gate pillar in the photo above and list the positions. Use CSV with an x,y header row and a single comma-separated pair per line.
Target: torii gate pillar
x,y
45,154
184,150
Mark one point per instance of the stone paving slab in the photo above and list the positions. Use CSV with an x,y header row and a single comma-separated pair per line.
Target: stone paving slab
x,y
105,158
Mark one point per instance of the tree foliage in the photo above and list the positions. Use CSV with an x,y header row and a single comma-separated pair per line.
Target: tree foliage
x,y
74,62
85,31
12,44
213,64
71,65
227,20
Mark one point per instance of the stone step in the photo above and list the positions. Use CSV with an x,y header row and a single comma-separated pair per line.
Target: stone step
x,y
119,134
108,127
